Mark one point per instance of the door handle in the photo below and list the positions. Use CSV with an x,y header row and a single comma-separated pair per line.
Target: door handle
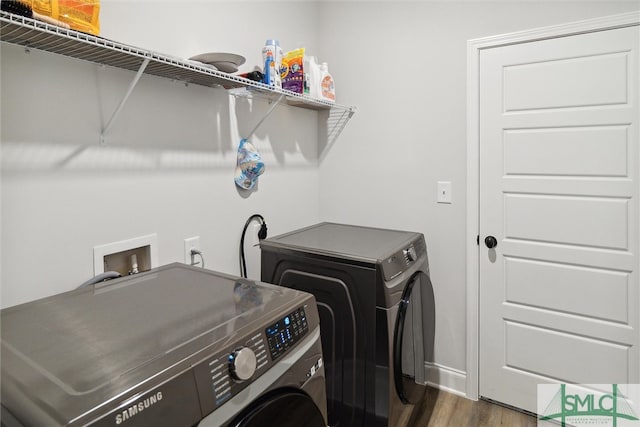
x,y
491,242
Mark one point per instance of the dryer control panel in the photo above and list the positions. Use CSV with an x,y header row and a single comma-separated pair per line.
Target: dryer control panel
x,y
402,260
286,332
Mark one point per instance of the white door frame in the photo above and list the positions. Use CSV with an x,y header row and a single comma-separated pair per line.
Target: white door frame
x,y
474,47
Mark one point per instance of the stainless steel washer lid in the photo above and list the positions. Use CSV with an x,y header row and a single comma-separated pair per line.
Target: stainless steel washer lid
x,y
73,353
360,243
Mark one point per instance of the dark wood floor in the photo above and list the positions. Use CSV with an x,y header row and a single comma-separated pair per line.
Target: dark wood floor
x,y
443,409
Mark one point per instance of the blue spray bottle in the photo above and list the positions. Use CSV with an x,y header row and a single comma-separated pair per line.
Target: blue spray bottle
x,y
269,69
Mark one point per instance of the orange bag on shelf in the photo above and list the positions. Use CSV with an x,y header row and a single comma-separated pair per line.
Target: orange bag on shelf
x,y
81,15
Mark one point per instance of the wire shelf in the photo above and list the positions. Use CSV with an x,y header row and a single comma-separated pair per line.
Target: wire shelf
x,y
33,34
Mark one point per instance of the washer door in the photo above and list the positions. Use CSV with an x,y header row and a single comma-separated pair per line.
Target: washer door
x,y
408,345
286,407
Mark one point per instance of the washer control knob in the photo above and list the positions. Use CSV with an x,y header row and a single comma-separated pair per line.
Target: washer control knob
x,y
242,364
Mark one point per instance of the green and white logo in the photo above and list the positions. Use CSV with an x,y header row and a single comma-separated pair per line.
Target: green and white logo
x,y
588,405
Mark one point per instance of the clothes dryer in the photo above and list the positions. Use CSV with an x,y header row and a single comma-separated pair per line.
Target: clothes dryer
x,y
377,314
177,346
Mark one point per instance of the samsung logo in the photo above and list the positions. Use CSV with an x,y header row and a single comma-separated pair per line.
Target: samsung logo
x,y
135,409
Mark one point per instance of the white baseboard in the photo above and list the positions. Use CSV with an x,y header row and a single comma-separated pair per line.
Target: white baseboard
x,y
445,378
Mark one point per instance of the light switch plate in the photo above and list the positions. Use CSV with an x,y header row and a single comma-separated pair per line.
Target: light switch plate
x,y
444,192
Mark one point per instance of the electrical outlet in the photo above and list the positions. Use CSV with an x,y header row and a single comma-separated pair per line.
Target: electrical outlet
x,y
191,243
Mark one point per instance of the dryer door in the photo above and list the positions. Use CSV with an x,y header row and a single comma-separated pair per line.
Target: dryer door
x,y
286,407
408,342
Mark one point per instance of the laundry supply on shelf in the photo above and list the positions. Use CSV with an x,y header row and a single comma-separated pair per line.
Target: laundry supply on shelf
x,y
298,72
311,77
327,86
293,74
81,15
272,55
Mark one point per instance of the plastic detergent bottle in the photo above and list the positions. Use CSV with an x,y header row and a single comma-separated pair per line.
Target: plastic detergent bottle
x,y
311,77
327,87
272,49
269,70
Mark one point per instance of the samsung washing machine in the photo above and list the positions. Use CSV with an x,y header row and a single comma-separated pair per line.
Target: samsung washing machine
x,y
177,346
377,314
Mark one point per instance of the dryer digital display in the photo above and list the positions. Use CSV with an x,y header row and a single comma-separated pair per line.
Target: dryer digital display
x,y
286,332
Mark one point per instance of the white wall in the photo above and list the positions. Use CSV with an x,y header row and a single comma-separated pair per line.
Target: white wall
x,y
169,163
404,65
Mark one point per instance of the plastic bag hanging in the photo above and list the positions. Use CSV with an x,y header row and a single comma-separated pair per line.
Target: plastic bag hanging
x,y
250,165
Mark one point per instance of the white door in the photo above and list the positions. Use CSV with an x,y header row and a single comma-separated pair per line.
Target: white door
x,y
559,164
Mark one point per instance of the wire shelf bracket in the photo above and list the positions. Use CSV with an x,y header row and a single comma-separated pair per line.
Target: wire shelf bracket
x,y
267,114
122,103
